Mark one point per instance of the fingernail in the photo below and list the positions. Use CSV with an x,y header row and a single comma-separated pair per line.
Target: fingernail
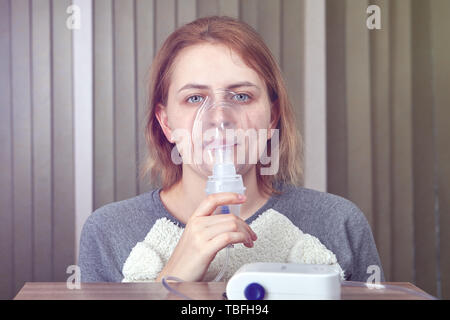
x,y
241,196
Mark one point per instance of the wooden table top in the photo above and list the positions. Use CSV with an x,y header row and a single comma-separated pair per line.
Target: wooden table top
x,y
195,290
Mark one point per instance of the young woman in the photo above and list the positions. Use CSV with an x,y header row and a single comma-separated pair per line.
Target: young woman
x,y
172,231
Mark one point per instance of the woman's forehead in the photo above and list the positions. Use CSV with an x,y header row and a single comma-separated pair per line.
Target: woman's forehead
x,y
212,65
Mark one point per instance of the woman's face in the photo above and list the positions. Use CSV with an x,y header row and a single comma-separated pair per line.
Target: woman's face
x,y
203,70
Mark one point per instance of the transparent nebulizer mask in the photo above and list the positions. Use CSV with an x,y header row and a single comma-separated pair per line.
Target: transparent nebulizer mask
x,y
214,133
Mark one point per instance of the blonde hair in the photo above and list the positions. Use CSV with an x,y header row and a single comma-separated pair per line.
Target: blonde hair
x,y
244,40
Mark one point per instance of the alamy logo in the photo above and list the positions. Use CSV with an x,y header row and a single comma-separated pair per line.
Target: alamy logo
x,y
373,281
74,280
374,20
73,22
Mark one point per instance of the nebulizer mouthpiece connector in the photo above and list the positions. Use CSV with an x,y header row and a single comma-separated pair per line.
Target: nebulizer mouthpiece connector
x,y
223,164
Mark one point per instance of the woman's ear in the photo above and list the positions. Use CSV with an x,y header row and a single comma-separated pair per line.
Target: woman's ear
x,y
161,115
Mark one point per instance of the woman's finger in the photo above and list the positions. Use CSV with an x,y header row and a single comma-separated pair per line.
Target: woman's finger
x,y
212,201
222,240
227,226
227,218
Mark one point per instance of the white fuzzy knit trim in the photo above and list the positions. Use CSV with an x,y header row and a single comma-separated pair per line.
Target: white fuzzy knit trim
x,y
142,264
279,240
309,250
149,257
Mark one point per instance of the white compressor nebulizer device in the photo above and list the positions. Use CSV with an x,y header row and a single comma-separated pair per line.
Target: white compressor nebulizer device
x,y
292,281
285,281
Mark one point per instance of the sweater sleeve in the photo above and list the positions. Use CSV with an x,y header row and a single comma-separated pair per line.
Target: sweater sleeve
x,y
95,259
365,256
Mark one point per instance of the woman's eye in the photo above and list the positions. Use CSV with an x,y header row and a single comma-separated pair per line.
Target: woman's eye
x,y
241,97
195,99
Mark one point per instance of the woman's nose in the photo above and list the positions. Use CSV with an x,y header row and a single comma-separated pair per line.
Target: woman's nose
x,y
220,118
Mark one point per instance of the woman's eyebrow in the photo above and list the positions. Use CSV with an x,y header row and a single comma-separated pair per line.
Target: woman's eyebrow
x,y
242,84
232,86
193,86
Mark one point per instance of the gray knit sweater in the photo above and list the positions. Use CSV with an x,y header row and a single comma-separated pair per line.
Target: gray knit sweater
x,y
131,240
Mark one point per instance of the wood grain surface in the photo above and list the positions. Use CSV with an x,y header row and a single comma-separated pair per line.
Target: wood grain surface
x,y
195,290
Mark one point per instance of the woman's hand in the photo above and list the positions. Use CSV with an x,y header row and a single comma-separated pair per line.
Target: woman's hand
x,y
205,235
